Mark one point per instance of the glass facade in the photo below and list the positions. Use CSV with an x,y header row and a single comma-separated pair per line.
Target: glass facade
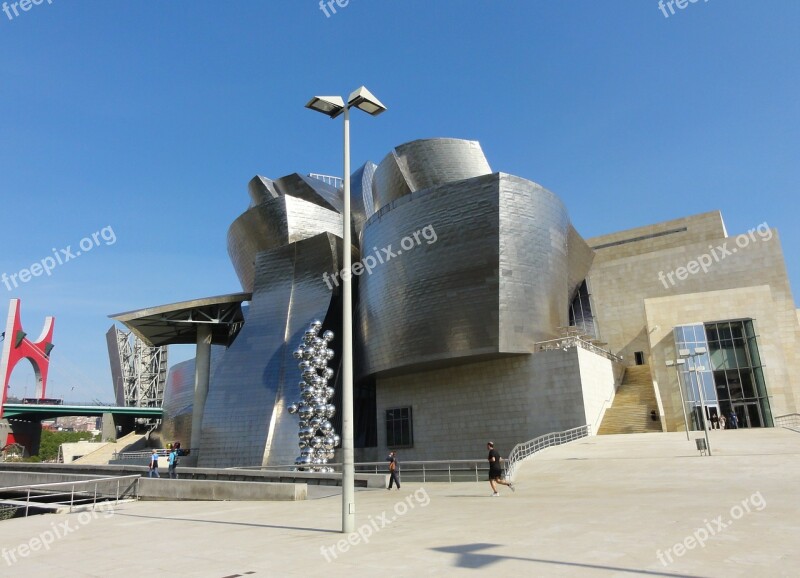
x,y
738,372
695,372
580,312
729,370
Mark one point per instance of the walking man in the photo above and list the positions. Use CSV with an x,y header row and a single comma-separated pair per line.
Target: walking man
x,y
394,470
496,470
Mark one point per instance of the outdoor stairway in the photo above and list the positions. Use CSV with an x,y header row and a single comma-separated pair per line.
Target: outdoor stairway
x,y
103,455
635,399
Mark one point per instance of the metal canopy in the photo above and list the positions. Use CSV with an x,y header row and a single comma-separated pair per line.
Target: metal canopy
x,y
178,323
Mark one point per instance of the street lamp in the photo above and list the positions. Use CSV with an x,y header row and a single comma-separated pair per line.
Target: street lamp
x,y
685,354
333,106
677,363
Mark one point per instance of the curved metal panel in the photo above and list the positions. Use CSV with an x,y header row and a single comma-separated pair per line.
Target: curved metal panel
x,y
260,190
275,223
431,162
312,190
245,420
179,399
495,280
426,163
533,266
361,203
388,183
437,300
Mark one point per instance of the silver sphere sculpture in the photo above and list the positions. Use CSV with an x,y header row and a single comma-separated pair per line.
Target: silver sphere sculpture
x,y
317,436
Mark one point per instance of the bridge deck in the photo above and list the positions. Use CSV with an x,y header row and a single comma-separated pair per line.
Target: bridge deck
x,y
45,411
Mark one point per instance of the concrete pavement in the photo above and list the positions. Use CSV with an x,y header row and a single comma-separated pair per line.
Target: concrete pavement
x,y
640,504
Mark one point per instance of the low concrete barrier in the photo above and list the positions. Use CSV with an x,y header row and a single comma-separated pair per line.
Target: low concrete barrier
x,y
213,474
166,489
11,479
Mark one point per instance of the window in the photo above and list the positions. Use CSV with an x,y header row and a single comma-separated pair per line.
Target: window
x,y
399,432
639,356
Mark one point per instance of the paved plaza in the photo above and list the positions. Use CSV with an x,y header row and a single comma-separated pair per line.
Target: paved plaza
x,y
640,504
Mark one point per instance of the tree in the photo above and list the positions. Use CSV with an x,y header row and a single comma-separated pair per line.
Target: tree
x,y
52,440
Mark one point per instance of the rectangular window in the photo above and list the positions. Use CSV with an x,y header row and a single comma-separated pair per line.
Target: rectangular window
x,y
399,433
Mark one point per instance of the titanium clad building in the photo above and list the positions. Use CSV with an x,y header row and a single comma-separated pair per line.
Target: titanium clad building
x,y
481,313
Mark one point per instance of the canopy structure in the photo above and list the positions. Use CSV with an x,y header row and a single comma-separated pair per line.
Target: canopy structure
x,y
178,323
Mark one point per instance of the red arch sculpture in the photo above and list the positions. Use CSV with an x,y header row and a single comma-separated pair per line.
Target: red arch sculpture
x,y
17,346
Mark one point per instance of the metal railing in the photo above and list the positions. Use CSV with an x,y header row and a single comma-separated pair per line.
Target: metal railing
x,y
411,471
523,451
432,470
573,341
336,182
790,421
51,495
139,455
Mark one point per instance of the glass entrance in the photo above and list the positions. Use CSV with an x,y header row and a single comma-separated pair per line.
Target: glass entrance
x,y
749,414
738,372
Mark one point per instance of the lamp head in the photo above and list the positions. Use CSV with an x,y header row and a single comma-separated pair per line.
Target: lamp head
x,y
366,101
331,106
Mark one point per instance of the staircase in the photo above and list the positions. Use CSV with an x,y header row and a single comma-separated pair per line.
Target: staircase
x,y
103,455
635,399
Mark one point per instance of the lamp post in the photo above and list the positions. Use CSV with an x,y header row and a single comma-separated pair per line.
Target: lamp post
x,y
686,354
677,363
333,106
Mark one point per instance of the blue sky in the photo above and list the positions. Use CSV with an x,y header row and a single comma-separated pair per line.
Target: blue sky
x,y
150,117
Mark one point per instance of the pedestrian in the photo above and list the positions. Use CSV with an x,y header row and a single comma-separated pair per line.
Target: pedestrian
x,y
394,470
154,465
173,463
722,421
734,420
496,470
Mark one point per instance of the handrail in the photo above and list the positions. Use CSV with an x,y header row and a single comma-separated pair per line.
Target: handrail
x,y
141,454
117,493
426,470
789,421
523,451
574,341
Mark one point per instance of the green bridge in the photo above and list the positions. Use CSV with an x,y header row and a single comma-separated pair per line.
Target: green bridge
x,y
36,412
